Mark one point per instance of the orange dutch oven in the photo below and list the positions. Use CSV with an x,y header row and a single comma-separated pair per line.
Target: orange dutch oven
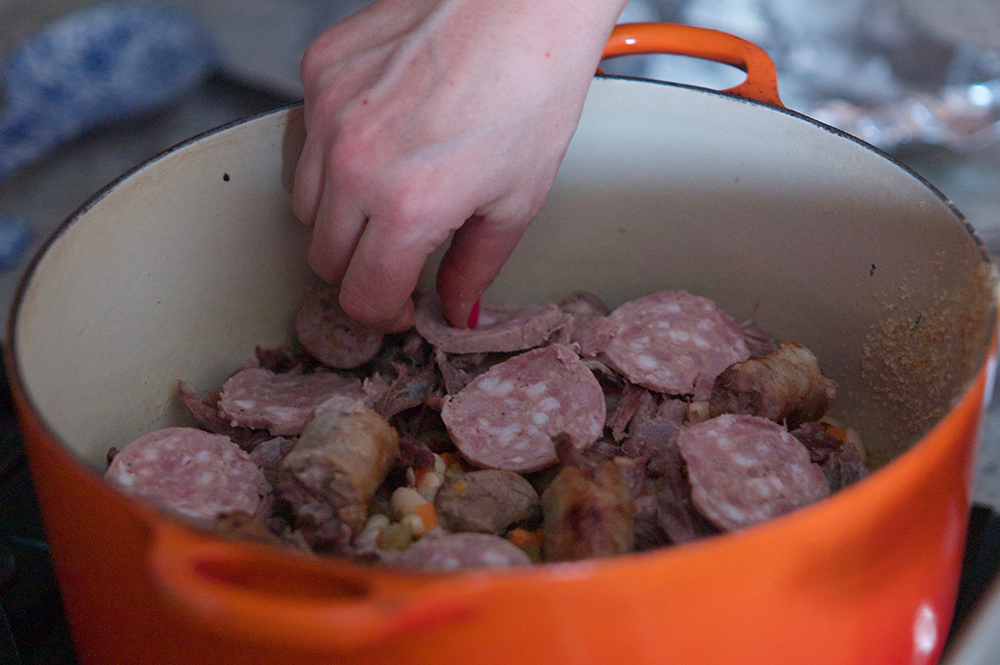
x,y
182,266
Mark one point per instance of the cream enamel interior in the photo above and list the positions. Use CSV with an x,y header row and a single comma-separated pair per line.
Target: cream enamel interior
x,y
177,273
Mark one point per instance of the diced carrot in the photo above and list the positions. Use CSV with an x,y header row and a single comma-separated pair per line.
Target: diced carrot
x,y
523,538
427,514
838,432
418,475
452,460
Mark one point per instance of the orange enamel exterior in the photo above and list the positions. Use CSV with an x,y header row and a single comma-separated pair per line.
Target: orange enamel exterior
x,y
138,589
868,576
761,83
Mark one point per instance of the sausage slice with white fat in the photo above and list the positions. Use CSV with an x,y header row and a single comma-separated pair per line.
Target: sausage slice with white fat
x,y
672,342
189,471
460,551
500,329
506,418
280,403
745,470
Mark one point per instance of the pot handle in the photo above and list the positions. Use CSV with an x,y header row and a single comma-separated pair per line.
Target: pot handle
x,y
268,596
761,83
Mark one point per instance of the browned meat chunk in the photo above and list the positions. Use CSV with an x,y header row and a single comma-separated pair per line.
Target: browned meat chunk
x,y
654,427
337,465
486,501
506,418
759,341
648,532
268,455
626,406
458,370
239,525
675,513
785,386
745,470
500,329
409,389
587,512
840,460
329,335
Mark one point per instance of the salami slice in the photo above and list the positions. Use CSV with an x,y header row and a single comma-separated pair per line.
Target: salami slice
x,y
459,551
744,470
506,418
280,403
500,329
332,337
189,471
673,342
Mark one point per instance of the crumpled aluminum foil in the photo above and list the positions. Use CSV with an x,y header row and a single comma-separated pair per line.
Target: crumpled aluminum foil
x,y
867,67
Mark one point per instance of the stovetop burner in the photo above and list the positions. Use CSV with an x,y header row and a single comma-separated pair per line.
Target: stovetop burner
x,y
32,628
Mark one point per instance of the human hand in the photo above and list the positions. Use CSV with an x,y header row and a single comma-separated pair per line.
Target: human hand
x,y
427,117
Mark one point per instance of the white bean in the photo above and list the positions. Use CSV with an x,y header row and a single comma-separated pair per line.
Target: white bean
x,y
404,501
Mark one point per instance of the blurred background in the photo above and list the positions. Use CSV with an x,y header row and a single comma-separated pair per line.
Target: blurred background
x,y
91,90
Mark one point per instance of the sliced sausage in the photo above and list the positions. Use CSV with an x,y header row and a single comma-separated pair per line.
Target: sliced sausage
x,y
280,403
500,329
189,471
785,386
460,551
745,470
205,411
672,342
506,417
332,337
344,454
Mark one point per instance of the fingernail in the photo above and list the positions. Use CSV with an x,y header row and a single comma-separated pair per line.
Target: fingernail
x,y
474,315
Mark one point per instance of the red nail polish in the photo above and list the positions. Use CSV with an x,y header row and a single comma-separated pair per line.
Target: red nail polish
x,y
474,315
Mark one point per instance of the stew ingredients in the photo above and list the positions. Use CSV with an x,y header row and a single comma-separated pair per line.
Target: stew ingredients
x,y
547,433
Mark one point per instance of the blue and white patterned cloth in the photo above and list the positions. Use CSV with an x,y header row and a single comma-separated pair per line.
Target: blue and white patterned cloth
x,y
93,67
89,69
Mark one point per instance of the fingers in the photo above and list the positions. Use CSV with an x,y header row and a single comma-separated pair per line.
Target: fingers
x,y
337,231
308,187
383,273
478,251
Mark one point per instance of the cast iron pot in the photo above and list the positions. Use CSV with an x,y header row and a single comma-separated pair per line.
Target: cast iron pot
x,y
178,269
